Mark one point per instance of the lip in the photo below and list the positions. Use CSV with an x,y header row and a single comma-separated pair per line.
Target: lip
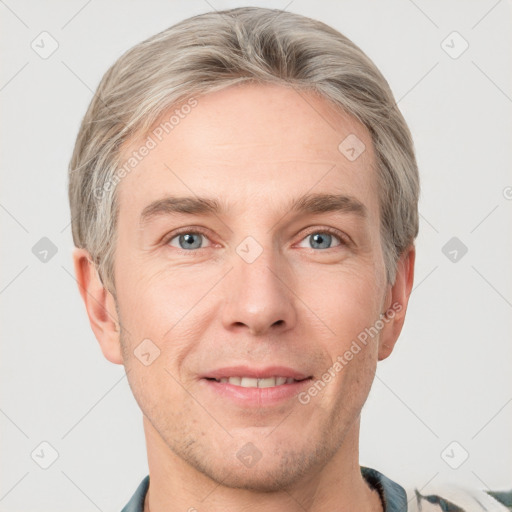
x,y
256,373
255,397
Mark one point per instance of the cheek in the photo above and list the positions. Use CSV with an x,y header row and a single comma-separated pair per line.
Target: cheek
x,y
156,300
171,309
347,301
152,365
349,305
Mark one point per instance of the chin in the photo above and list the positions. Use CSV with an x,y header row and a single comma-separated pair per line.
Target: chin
x,y
262,480
270,473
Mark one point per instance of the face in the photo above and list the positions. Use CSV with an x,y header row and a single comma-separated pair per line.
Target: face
x,y
236,302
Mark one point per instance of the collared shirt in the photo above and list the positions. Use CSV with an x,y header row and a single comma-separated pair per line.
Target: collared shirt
x,y
394,498
392,495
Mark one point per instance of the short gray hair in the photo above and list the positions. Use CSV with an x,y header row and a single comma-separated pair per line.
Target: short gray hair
x,y
212,51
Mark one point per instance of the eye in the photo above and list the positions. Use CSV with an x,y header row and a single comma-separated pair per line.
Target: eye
x,y
187,240
194,240
322,239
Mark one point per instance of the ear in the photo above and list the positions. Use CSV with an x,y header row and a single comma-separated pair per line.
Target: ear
x,y
396,303
100,306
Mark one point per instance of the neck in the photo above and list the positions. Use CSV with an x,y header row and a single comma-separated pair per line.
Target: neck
x,y
177,486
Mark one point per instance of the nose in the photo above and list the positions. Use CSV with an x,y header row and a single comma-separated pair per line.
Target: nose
x,y
259,296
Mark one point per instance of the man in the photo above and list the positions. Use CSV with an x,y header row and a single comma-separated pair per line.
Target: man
x,y
244,201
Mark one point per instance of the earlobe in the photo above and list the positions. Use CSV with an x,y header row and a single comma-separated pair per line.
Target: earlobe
x,y
100,306
397,301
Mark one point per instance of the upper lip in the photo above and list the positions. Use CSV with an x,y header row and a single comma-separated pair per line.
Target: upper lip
x,y
257,373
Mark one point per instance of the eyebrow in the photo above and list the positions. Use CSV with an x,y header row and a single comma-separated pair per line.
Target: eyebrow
x,y
308,203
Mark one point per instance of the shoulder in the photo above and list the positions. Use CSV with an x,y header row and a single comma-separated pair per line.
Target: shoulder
x,y
441,497
454,498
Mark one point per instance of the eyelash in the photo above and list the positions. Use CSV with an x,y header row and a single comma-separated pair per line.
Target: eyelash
x,y
343,239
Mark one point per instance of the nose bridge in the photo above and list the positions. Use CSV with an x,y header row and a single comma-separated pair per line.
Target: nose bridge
x,y
258,297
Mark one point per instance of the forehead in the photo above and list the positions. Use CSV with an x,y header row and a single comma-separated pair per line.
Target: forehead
x,y
251,143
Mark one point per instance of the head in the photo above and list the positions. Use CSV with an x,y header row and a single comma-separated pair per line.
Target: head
x,y
244,196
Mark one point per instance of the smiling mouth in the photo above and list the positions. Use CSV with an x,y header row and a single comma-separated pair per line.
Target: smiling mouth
x,y
252,382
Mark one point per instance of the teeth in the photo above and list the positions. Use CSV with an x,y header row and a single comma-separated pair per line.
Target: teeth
x,y
267,383
251,382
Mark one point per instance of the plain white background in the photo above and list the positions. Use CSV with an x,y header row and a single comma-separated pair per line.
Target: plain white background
x,y
449,377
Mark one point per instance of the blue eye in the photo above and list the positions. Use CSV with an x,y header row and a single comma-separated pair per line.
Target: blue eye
x,y
322,240
188,240
194,240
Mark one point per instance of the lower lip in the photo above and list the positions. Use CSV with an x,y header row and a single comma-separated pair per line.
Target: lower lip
x,y
256,397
